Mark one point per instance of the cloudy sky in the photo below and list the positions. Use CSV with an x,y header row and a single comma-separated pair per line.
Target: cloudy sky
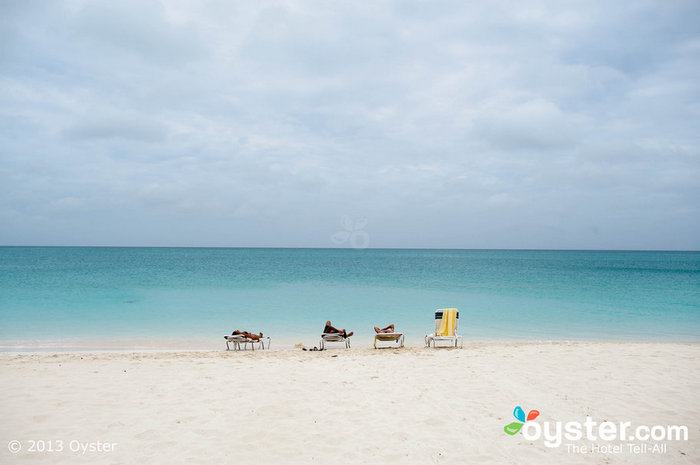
x,y
456,124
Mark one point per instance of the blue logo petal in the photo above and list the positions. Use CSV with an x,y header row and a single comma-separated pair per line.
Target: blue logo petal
x,y
519,414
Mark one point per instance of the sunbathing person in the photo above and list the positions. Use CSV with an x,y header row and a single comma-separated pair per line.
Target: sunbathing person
x,y
388,329
254,337
331,330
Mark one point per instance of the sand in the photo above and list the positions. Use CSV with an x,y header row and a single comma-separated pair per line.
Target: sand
x,y
393,406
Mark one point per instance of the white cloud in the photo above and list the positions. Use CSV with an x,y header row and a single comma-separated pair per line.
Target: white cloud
x,y
518,125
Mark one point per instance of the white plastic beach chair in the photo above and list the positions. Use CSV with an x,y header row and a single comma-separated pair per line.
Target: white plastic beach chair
x,y
445,331
333,337
388,337
237,339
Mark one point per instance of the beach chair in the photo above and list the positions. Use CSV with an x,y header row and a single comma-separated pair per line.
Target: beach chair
x,y
388,337
237,339
333,337
446,324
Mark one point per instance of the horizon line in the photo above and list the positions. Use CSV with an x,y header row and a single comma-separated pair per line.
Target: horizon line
x,y
343,248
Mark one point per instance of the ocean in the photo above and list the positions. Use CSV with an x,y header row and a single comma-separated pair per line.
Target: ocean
x,y
105,296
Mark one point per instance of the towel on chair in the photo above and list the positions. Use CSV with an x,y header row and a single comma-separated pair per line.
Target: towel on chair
x,y
449,320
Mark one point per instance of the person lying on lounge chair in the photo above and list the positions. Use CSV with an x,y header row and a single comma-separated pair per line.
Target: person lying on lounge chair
x,y
255,337
388,329
331,330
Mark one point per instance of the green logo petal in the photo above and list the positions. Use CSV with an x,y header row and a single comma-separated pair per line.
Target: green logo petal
x,y
513,428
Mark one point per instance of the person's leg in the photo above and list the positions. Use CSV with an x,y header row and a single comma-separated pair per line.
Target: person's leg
x,y
252,336
389,329
331,330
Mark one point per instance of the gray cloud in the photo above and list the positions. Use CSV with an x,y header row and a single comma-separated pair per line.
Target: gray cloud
x,y
445,124
133,128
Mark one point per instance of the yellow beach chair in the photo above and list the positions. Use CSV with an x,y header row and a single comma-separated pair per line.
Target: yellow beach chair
x,y
446,324
388,337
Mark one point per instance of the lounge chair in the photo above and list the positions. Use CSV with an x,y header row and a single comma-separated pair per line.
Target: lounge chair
x,y
237,339
334,337
446,324
388,337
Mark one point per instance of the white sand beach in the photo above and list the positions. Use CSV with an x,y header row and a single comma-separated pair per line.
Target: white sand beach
x,y
343,406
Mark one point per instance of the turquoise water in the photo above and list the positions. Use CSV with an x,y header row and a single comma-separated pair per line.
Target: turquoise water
x,y
64,293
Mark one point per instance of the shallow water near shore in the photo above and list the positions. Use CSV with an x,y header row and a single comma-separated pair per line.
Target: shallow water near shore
x,y
56,297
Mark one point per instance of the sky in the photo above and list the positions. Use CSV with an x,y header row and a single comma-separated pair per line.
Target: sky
x,y
425,124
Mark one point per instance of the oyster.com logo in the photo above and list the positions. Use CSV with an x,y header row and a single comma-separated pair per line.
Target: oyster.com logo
x,y
590,436
519,415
